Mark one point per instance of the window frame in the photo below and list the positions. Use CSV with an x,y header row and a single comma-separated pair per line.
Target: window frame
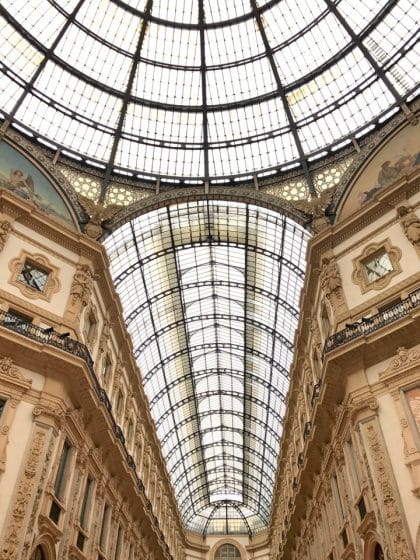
x,y
52,283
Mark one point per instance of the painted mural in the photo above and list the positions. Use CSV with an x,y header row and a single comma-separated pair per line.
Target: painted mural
x,y
20,176
389,172
399,157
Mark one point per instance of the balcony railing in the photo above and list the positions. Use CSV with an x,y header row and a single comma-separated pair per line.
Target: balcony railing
x,y
371,324
63,341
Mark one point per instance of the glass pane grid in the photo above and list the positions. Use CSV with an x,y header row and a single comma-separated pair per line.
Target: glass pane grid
x,y
213,335
121,84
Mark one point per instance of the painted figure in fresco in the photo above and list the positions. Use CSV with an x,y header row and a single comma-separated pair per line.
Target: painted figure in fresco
x,y
389,173
19,184
22,186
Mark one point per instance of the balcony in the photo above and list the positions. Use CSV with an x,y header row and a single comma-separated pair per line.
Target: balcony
x,y
372,324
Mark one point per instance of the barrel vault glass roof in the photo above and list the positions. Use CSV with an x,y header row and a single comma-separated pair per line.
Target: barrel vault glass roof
x,y
194,90
210,293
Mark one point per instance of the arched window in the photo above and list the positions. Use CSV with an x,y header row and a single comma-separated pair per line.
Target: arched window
x,y
379,553
39,554
227,552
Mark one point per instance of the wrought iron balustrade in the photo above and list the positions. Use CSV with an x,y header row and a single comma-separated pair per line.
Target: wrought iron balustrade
x,y
371,324
63,341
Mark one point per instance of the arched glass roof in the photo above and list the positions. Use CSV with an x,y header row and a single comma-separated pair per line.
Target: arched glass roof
x,y
199,89
210,293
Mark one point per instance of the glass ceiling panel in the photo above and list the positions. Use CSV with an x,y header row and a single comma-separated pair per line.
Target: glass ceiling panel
x,y
214,352
200,90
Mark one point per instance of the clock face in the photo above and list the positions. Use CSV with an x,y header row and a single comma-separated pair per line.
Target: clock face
x,y
377,266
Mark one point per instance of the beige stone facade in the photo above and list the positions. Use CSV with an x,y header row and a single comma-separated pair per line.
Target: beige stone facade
x,y
348,476
81,471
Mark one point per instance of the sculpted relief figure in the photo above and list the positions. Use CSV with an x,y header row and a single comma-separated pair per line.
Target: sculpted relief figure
x,y
82,284
332,286
410,224
330,277
5,229
98,214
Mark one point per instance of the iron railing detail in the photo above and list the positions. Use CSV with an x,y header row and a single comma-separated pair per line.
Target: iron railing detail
x,y
368,325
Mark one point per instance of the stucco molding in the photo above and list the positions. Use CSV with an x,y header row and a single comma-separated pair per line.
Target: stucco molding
x,y
52,284
359,273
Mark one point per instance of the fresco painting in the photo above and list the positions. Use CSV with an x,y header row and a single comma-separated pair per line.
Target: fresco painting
x,y
399,157
20,176
389,172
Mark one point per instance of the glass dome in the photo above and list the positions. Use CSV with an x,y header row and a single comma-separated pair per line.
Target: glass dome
x,y
195,90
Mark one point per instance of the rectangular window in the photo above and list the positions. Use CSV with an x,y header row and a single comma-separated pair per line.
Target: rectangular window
x,y
60,479
362,508
344,538
354,467
60,483
2,406
84,510
104,528
33,276
119,544
337,497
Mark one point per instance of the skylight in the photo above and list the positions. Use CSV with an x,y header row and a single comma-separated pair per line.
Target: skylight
x,y
201,89
210,293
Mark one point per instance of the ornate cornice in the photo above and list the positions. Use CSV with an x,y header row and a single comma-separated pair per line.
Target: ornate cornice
x,y
404,360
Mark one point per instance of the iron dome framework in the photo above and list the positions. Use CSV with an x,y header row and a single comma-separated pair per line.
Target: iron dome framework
x,y
210,292
199,90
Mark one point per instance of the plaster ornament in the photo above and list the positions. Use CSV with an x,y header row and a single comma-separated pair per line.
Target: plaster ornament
x,y
410,224
315,206
25,490
5,229
330,277
82,285
389,501
8,369
98,214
